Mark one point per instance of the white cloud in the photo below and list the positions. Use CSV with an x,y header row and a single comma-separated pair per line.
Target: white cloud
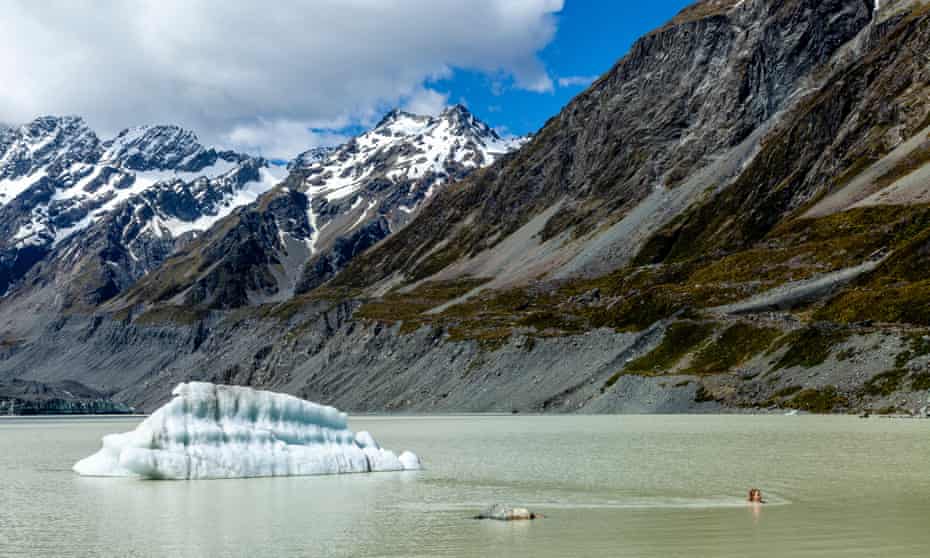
x,y
281,139
576,81
426,101
249,71
540,82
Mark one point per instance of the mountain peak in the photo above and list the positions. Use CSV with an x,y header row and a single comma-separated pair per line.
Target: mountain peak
x,y
160,146
395,115
458,110
457,117
162,134
48,141
43,128
143,189
464,122
51,122
405,146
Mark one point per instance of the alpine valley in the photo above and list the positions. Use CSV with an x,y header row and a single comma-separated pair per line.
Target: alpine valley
x,y
734,217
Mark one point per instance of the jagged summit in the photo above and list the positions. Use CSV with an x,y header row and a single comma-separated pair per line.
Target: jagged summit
x,y
49,142
460,120
409,147
158,147
397,114
455,121
459,115
370,187
146,187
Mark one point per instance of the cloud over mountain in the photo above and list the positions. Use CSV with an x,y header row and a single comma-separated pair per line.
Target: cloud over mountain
x,y
240,72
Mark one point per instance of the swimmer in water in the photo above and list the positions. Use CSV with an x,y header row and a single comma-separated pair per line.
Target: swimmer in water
x,y
755,496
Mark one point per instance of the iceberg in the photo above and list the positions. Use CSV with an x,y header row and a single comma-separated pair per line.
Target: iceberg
x,y
210,431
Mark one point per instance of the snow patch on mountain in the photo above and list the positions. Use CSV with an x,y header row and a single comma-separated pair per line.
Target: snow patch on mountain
x,y
47,143
11,188
406,147
371,185
132,197
87,179
158,147
270,177
363,216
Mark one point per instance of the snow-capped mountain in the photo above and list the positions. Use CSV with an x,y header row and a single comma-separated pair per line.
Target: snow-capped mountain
x,y
149,186
373,184
406,148
336,203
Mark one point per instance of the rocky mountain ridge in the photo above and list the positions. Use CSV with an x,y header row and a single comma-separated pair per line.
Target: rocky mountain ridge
x,y
335,204
145,190
675,119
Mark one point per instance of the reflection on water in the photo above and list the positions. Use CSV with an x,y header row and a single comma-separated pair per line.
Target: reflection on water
x,y
608,486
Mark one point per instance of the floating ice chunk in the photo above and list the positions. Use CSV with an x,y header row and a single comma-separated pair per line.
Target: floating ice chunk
x,y
210,431
409,460
364,439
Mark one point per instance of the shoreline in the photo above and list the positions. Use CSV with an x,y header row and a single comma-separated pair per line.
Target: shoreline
x,y
453,415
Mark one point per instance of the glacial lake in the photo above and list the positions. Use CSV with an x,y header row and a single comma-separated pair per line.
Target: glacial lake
x,y
643,486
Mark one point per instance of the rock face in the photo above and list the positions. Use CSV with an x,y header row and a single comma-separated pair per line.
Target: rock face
x,y
686,95
859,115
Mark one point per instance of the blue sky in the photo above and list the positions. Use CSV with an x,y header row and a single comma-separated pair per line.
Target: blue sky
x,y
310,72
591,36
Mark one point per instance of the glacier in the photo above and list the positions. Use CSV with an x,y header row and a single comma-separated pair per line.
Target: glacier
x,y
210,431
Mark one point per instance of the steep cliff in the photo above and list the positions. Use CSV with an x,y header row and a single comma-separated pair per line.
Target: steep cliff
x,y
695,95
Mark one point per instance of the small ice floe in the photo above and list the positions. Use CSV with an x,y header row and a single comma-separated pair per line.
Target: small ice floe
x,y
212,431
507,513
791,413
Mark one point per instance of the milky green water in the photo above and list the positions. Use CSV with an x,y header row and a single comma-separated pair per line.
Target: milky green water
x,y
645,486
